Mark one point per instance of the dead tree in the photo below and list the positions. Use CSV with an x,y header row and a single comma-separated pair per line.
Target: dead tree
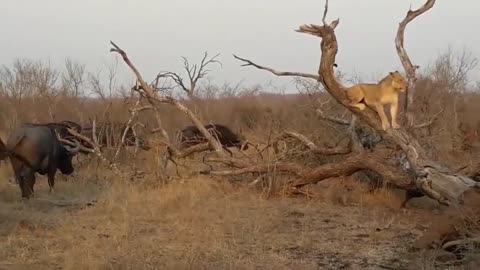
x,y
194,72
307,175
431,178
154,99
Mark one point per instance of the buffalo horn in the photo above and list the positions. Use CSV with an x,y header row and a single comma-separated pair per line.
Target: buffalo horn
x,y
75,150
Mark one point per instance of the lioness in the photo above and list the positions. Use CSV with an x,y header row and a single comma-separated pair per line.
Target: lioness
x,y
380,94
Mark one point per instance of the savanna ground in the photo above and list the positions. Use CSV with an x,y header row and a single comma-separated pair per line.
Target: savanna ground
x,y
201,223
96,220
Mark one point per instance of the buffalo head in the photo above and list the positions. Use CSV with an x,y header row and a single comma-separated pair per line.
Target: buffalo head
x,y
65,155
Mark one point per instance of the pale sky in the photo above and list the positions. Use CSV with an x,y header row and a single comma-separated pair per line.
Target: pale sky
x,y
155,33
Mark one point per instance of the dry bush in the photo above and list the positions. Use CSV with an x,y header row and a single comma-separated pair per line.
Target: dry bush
x,y
444,90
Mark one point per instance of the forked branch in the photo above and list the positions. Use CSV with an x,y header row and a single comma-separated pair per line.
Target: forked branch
x,y
194,72
410,69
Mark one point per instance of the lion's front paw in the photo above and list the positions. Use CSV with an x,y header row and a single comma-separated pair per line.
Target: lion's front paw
x,y
395,125
385,126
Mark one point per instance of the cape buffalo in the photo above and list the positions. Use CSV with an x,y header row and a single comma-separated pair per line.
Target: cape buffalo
x,y
35,148
191,135
110,134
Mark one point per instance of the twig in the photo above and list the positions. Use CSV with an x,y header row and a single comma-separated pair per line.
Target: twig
x,y
325,11
133,114
138,109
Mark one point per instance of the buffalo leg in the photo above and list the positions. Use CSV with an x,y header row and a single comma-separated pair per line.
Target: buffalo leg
x,y
26,180
51,181
31,182
21,181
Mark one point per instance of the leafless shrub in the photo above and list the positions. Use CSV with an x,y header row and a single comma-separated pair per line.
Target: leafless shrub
x,y
451,69
73,79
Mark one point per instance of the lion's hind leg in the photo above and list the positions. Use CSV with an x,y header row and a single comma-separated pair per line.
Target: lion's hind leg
x,y
356,98
358,105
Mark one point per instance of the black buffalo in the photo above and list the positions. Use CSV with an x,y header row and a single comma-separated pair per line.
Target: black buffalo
x,y
62,129
35,148
191,135
109,134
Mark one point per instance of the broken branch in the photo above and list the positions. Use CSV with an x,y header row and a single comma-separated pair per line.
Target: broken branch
x,y
278,73
313,147
333,119
325,11
410,69
310,175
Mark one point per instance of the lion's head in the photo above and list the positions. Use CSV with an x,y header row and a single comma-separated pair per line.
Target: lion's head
x,y
397,81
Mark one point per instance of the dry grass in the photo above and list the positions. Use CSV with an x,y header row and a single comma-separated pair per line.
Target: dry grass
x,y
199,223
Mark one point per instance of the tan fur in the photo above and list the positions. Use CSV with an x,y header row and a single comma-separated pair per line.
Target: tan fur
x,y
378,95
